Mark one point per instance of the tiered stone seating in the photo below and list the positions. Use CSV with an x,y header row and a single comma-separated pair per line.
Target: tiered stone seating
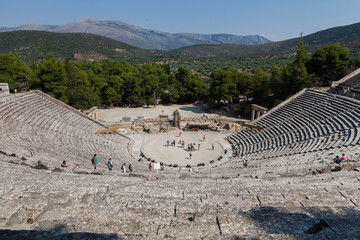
x,y
182,206
270,199
313,121
55,132
351,83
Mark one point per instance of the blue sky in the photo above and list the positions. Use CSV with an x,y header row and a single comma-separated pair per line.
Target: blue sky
x,y
274,19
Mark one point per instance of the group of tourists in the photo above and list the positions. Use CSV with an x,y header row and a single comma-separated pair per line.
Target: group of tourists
x,y
172,143
110,165
338,159
190,147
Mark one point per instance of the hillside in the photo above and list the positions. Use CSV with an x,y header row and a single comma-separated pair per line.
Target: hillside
x,y
348,37
142,38
35,45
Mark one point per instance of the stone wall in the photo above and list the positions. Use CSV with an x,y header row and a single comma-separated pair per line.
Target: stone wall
x,y
4,89
93,113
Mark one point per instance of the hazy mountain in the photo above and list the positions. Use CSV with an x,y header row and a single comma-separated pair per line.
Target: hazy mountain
x,y
348,36
142,38
29,27
35,45
32,46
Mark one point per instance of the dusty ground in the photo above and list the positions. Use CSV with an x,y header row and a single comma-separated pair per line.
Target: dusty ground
x,y
154,146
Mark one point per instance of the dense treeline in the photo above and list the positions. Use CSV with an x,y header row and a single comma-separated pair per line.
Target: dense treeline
x,y
325,65
86,84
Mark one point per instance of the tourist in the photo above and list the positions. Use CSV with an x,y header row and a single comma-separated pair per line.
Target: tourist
x,y
150,167
190,169
130,168
199,147
337,160
180,134
64,164
190,155
168,142
245,163
94,161
212,146
124,167
203,138
109,164
343,158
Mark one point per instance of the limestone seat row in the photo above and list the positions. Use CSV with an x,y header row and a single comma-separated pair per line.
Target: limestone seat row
x,y
34,122
313,121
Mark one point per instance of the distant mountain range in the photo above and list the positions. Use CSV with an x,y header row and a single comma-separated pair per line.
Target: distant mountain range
x,y
33,46
139,37
348,36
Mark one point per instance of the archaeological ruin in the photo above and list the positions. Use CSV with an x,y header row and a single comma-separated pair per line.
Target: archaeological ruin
x,y
273,178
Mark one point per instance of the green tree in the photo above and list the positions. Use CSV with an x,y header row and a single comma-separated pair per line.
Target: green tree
x,y
260,92
82,97
276,82
109,95
244,83
329,63
195,90
52,78
183,78
14,72
150,85
96,81
75,75
117,83
169,92
222,86
132,88
294,75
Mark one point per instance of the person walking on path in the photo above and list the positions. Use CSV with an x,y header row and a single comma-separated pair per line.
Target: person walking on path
x,y
124,167
212,146
150,167
203,138
94,161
